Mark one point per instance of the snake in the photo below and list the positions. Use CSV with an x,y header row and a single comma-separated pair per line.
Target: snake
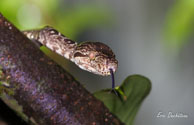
x,y
94,57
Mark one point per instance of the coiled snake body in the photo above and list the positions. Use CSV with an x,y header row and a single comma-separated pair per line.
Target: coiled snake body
x,y
94,57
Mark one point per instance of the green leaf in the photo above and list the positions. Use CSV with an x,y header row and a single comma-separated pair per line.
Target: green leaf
x,y
131,94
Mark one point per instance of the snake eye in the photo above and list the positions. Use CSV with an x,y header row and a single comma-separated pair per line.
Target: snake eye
x,y
92,56
78,54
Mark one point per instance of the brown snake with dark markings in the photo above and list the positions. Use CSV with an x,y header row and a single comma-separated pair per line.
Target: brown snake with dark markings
x,y
94,57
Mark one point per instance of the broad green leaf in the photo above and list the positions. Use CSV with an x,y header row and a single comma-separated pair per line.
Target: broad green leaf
x,y
131,94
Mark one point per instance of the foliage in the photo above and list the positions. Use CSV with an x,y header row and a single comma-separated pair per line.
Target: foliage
x,y
179,24
131,94
71,21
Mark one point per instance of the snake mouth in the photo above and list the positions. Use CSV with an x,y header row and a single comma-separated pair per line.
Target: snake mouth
x,y
102,73
105,73
111,69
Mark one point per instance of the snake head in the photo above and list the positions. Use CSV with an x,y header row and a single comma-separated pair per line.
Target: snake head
x,y
95,57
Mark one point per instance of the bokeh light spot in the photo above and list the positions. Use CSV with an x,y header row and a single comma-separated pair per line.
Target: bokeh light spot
x,y
29,16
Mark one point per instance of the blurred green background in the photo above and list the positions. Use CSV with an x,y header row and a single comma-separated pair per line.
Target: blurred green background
x,y
149,37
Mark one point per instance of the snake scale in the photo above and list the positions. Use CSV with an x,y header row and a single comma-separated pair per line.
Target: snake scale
x,y
94,57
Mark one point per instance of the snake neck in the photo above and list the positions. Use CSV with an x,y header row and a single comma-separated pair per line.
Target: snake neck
x,y
53,40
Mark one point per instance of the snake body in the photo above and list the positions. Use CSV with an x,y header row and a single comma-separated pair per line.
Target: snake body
x,y
94,57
